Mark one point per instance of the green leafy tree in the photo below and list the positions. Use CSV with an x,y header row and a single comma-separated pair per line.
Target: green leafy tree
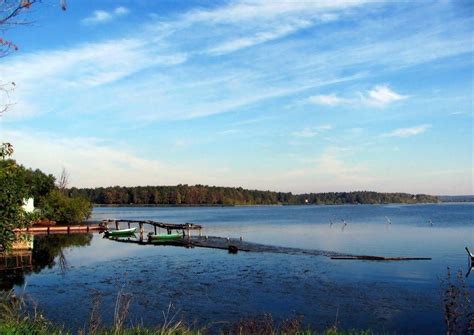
x,y
13,190
59,207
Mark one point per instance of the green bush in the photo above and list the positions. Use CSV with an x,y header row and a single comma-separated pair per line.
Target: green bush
x,y
13,190
61,208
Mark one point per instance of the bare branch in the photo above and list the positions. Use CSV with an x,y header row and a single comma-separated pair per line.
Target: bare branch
x,y
5,90
63,180
11,10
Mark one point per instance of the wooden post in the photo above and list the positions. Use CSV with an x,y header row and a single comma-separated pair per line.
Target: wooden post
x,y
155,228
88,227
69,229
116,225
48,230
128,224
142,231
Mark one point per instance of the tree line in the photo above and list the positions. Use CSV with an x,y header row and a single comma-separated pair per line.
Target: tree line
x,y
194,195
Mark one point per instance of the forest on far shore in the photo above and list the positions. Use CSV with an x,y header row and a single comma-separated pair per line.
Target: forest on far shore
x,y
195,195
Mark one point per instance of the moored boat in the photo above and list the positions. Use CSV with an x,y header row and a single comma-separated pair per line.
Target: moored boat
x,y
164,237
120,232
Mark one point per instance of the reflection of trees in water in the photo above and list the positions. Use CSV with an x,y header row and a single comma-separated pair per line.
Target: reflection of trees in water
x,y
47,252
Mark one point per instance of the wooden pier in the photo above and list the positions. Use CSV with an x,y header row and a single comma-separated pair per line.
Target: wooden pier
x,y
233,245
103,225
69,229
185,228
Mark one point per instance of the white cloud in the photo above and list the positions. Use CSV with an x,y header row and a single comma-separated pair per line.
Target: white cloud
x,y
331,162
258,21
382,96
328,100
330,171
258,38
121,11
262,10
229,132
65,74
113,163
312,131
379,96
102,16
306,132
407,132
84,74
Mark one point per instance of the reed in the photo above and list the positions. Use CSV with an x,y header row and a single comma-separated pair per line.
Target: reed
x,y
458,305
17,319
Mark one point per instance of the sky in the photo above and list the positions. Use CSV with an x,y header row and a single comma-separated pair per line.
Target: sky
x,y
300,96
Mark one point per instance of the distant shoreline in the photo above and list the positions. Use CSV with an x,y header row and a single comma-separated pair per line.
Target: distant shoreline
x,y
272,205
203,195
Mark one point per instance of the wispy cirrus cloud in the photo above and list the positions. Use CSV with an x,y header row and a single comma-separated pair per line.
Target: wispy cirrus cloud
x,y
187,67
76,71
379,96
260,10
328,100
409,131
258,38
103,16
309,132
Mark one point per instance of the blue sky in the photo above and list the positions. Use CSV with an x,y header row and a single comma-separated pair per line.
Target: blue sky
x,y
289,96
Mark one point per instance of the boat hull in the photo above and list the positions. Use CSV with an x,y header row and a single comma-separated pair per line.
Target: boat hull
x,y
120,233
164,238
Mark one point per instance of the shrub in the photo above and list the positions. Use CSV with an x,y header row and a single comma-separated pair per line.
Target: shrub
x,y
12,192
61,208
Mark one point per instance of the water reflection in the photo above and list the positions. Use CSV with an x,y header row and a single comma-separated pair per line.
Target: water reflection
x,y
47,251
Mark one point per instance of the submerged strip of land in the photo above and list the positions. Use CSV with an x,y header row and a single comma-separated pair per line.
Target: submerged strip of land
x,y
198,195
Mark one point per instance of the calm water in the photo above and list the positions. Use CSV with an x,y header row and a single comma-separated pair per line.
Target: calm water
x,y
214,287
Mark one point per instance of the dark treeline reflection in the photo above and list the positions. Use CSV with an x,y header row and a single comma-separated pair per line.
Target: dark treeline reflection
x,y
213,195
47,252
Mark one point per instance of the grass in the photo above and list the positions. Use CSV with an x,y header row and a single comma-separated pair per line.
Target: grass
x,y
15,319
458,305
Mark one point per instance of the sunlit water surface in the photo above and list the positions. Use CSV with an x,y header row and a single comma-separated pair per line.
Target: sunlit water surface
x,y
212,287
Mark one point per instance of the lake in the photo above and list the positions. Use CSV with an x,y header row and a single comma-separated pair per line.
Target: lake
x,y
212,287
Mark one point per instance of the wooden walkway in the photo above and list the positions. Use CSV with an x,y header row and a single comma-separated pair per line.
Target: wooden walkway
x,y
185,228
58,229
187,240
233,245
105,225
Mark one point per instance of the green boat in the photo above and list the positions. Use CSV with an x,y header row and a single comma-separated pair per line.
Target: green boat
x,y
120,232
164,238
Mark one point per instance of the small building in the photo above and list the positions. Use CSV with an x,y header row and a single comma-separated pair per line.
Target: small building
x,y
28,205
